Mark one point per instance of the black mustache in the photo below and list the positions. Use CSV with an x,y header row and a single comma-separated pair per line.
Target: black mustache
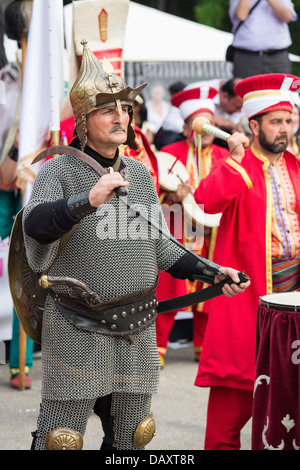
x,y
282,136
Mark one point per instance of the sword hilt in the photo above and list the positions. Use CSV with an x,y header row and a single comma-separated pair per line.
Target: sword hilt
x,y
121,191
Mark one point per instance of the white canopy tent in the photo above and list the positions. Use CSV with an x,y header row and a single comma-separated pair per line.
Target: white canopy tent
x,y
165,47
155,36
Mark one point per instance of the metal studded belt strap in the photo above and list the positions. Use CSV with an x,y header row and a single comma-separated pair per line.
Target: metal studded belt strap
x,y
123,316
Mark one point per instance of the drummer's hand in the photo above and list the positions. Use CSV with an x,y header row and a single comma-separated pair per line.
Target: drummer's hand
x,y
182,191
232,289
237,143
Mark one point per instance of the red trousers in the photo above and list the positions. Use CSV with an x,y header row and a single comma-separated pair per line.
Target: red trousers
x,y
228,411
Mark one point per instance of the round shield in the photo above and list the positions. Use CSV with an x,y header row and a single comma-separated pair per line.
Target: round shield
x,y
27,294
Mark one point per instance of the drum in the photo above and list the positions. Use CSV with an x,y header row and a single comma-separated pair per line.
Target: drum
x,y
171,173
276,399
284,301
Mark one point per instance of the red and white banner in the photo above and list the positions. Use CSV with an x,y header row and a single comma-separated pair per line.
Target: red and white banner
x,y
102,23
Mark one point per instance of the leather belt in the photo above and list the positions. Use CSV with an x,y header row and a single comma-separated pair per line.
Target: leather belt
x,y
262,52
132,313
122,316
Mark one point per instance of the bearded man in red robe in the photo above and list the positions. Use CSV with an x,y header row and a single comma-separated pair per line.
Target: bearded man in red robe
x,y
258,192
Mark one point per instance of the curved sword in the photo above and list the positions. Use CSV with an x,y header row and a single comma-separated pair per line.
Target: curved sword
x,y
211,269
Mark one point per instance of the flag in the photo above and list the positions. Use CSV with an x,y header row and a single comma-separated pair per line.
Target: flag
x,y
43,86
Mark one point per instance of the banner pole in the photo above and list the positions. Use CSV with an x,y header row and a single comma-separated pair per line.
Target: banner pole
x,y
22,334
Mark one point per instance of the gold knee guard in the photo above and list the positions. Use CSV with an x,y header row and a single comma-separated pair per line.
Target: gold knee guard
x,y
144,433
64,439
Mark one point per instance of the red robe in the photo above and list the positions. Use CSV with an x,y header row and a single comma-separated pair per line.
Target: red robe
x,y
167,286
242,192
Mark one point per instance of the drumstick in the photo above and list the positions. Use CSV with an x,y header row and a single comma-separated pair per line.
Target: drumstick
x,y
170,170
176,160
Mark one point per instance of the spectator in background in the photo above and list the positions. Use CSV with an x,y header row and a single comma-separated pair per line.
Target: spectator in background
x,y
10,204
140,111
171,128
141,119
192,103
228,104
157,106
263,39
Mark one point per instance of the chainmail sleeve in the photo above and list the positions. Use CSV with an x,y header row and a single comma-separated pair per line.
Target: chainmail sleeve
x,y
40,257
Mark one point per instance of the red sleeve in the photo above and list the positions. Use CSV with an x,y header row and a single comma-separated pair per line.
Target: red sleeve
x,y
226,181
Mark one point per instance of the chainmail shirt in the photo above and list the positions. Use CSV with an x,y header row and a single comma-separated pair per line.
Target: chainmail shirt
x,y
114,253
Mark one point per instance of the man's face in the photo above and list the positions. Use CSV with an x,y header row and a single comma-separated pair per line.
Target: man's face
x,y
230,104
274,131
106,128
206,139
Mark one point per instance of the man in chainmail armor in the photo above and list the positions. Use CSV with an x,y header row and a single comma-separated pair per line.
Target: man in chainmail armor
x,y
99,353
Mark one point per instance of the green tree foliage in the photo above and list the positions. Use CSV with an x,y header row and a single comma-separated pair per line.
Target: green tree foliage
x,y
295,30
214,14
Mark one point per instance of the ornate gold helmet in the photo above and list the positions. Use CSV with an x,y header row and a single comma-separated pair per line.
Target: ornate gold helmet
x,y
97,86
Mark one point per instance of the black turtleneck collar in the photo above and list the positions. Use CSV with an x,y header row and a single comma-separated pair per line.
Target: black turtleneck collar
x,y
105,162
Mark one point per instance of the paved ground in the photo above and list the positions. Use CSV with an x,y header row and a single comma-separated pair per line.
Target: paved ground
x,y
179,409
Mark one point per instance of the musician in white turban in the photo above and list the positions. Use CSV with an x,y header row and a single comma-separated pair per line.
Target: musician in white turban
x,y
197,156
